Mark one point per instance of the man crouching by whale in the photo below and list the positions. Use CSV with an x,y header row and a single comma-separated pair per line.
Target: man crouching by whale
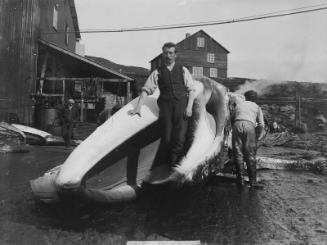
x,y
244,139
175,102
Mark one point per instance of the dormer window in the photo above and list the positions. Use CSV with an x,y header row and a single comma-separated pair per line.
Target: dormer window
x,y
200,42
55,17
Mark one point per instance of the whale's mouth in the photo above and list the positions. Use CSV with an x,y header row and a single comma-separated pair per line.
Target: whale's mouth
x,y
205,135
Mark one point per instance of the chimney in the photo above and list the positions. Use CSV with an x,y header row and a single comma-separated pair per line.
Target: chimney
x,y
80,49
187,35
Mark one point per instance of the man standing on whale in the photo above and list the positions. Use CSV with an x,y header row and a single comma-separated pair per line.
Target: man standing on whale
x,y
175,102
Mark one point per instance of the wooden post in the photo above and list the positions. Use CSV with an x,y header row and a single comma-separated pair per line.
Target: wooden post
x,y
299,112
82,103
298,116
101,88
43,70
296,111
63,91
128,92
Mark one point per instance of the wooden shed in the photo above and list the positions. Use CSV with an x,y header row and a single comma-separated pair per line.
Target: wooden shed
x,y
39,60
63,74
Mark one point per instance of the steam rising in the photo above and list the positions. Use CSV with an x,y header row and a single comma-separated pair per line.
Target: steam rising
x,y
261,86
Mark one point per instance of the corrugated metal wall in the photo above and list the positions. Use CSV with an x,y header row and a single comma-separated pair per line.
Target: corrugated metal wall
x,y
18,52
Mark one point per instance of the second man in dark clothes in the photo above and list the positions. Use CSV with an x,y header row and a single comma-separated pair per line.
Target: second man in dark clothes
x,y
68,116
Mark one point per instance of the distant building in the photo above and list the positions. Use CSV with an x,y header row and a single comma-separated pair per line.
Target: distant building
x,y
42,62
201,54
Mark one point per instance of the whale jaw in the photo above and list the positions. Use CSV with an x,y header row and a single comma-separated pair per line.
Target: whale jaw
x,y
206,135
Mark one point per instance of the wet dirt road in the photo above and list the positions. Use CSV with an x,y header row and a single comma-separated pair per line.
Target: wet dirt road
x,y
291,209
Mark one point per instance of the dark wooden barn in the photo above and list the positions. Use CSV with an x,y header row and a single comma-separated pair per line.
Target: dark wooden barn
x,y
40,62
201,54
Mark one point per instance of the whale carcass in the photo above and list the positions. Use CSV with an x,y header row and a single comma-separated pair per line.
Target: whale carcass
x,y
125,151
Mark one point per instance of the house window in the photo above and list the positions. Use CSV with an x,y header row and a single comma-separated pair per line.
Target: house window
x,y
55,17
198,71
200,42
66,34
213,72
211,57
78,86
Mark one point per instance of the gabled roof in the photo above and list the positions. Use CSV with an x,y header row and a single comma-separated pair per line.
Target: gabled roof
x,y
81,64
203,32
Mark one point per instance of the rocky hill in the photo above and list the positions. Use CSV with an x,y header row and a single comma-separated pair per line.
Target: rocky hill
x,y
140,74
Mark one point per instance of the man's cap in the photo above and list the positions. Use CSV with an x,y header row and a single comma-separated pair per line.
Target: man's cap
x,y
251,95
71,101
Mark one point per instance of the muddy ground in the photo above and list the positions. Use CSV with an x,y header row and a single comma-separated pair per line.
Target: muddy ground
x,y
291,209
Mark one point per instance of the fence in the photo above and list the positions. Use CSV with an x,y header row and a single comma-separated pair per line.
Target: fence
x,y
311,106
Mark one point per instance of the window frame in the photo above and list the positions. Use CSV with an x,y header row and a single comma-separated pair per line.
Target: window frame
x,y
55,17
66,34
211,57
213,72
196,69
200,42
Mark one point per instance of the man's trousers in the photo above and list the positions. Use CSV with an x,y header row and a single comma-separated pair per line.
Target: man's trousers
x,y
68,132
173,126
244,141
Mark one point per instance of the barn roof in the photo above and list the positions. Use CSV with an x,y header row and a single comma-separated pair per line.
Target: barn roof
x,y
80,65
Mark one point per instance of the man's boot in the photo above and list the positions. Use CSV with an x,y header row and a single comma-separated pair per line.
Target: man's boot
x,y
252,172
240,180
240,173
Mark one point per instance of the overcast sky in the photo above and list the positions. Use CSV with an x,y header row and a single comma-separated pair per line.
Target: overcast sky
x,y
286,48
